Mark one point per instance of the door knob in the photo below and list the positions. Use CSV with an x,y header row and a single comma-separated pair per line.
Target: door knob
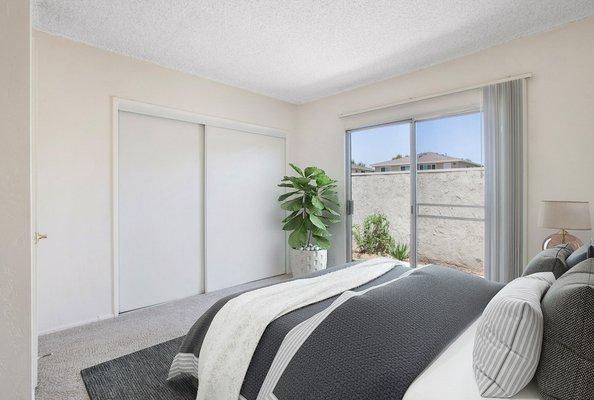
x,y
38,236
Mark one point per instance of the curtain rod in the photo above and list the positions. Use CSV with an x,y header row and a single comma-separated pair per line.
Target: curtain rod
x,y
431,96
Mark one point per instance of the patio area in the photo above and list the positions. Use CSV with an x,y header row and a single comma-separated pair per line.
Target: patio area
x,y
450,214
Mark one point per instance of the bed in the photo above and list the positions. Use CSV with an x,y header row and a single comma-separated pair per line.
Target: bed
x,y
450,375
403,334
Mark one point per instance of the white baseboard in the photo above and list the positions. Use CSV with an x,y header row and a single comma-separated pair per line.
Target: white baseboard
x,y
75,324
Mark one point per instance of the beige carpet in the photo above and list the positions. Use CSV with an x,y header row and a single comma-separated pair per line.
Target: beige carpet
x,y
64,354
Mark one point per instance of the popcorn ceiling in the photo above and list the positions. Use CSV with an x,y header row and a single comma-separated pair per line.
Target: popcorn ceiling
x,y
302,50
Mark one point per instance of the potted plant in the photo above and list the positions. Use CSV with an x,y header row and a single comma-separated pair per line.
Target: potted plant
x,y
313,205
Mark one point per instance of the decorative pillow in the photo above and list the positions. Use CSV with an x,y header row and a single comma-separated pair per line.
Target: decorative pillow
x,y
509,337
550,260
566,369
581,254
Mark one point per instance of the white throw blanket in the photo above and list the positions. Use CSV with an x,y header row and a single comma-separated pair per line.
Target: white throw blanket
x,y
236,329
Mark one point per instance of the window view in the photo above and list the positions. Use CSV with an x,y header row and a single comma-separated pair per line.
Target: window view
x,y
449,192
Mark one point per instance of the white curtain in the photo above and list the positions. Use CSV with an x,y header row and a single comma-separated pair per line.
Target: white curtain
x,y
503,106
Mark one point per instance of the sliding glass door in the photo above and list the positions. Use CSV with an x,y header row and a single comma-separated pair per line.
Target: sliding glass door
x,y
419,187
379,196
450,192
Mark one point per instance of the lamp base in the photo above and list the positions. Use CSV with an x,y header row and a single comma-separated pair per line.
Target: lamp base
x,y
561,237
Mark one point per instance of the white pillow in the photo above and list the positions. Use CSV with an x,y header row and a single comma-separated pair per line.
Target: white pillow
x,y
509,337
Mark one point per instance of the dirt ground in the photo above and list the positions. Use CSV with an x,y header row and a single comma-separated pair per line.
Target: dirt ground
x,y
422,261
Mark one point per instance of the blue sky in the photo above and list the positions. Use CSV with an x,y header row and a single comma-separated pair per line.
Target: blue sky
x,y
459,136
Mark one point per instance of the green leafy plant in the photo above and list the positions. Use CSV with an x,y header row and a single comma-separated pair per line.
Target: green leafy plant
x,y
313,205
374,237
399,251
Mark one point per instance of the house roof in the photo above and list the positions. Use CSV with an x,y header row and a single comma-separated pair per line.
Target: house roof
x,y
424,158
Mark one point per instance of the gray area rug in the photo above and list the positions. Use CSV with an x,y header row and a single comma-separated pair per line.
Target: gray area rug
x,y
66,353
138,376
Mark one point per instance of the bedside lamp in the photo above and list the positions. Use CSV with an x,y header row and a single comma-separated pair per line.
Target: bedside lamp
x,y
564,215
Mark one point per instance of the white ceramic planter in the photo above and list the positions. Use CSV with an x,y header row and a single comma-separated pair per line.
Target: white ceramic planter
x,y
304,262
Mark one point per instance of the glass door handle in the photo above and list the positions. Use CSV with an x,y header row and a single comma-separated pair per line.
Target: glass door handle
x,y
350,206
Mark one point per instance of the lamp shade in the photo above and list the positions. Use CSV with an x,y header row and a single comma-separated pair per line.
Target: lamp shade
x,y
565,215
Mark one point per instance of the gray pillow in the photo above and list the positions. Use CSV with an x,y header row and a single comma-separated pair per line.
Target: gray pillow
x,y
509,337
581,254
550,260
566,368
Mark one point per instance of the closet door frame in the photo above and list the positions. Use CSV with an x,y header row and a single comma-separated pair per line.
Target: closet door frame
x,y
138,107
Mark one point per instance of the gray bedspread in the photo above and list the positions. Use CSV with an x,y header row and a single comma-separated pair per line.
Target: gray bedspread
x,y
370,347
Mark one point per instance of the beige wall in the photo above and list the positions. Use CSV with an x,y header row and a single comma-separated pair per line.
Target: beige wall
x,y
15,210
560,114
75,83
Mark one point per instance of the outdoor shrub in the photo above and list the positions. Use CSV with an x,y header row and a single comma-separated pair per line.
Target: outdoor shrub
x,y
374,237
399,251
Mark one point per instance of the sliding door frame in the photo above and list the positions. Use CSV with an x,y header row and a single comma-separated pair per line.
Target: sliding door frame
x,y
348,197
413,176
138,107
412,254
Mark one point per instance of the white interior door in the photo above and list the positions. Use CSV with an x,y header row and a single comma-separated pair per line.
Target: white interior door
x,y
73,208
244,240
160,209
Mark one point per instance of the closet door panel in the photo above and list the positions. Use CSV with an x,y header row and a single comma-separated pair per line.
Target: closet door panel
x,y
244,240
160,210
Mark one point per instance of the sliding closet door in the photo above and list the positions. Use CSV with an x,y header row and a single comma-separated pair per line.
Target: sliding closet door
x,y
160,210
244,240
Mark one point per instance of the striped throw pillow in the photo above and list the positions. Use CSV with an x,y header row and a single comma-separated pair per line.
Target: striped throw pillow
x,y
509,337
